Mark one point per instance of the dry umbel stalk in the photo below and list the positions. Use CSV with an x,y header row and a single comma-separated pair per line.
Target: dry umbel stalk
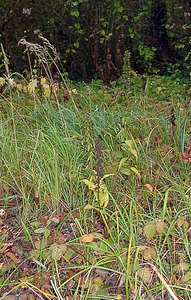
x,y
45,53
6,64
47,56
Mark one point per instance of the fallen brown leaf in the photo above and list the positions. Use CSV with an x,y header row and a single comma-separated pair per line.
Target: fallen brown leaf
x,y
149,253
87,238
150,187
186,157
13,257
9,297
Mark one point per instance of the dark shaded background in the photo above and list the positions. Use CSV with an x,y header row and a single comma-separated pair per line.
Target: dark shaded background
x,y
91,36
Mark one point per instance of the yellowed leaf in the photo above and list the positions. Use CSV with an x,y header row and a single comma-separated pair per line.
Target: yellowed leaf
x,y
145,274
129,143
88,207
148,253
180,222
135,171
186,278
103,196
57,250
125,171
2,81
32,86
181,267
185,225
149,230
122,161
160,226
47,90
96,285
42,80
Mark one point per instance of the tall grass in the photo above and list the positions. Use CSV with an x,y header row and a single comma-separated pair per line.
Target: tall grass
x,y
47,150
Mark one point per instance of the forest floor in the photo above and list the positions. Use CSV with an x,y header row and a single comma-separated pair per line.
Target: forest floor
x,y
95,194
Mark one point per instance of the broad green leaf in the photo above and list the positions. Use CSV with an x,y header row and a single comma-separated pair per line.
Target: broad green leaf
x,y
39,245
75,13
126,18
185,225
39,253
57,250
35,224
45,231
89,183
32,86
122,161
2,81
149,230
69,254
103,196
76,45
181,222
96,285
125,171
104,247
135,171
99,246
98,280
134,152
131,148
77,26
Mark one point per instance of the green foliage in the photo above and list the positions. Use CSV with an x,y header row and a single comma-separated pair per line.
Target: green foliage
x,y
135,222
148,55
99,189
92,36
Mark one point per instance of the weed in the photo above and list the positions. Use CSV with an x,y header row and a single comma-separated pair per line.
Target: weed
x,y
132,240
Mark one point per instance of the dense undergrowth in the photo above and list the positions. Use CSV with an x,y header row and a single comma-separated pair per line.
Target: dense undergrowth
x,y
95,190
